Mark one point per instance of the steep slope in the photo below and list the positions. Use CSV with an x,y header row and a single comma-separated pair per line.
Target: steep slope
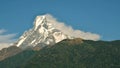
x,y
17,60
8,52
43,33
89,54
69,53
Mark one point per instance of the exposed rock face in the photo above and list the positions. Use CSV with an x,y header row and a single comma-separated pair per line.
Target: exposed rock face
x,y
43,32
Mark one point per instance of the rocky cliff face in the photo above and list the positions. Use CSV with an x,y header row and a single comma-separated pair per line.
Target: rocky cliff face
x,y
43,33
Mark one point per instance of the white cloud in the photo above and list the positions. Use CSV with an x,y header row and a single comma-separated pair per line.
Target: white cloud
x,y
70,31
6,39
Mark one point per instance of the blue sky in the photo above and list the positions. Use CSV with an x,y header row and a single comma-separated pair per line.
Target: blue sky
x,y
96,16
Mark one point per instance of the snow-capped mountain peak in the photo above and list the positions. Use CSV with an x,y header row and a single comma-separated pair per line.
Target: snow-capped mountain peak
x,y
43,32
38,21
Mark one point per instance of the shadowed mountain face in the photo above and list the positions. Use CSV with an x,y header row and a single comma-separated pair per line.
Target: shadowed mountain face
x,y
73,53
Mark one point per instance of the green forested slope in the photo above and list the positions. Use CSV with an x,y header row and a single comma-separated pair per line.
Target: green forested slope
x,y
17,60
89,54
69,54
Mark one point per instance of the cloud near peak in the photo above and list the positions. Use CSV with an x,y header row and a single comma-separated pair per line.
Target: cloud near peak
x,y
7,39
70,31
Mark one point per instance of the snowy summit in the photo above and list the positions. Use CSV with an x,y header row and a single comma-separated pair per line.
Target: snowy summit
x,y
43,32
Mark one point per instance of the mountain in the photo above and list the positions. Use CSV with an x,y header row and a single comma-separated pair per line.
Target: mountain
x,y
69,53
8,52
88,54
43,33
46,46
17,60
